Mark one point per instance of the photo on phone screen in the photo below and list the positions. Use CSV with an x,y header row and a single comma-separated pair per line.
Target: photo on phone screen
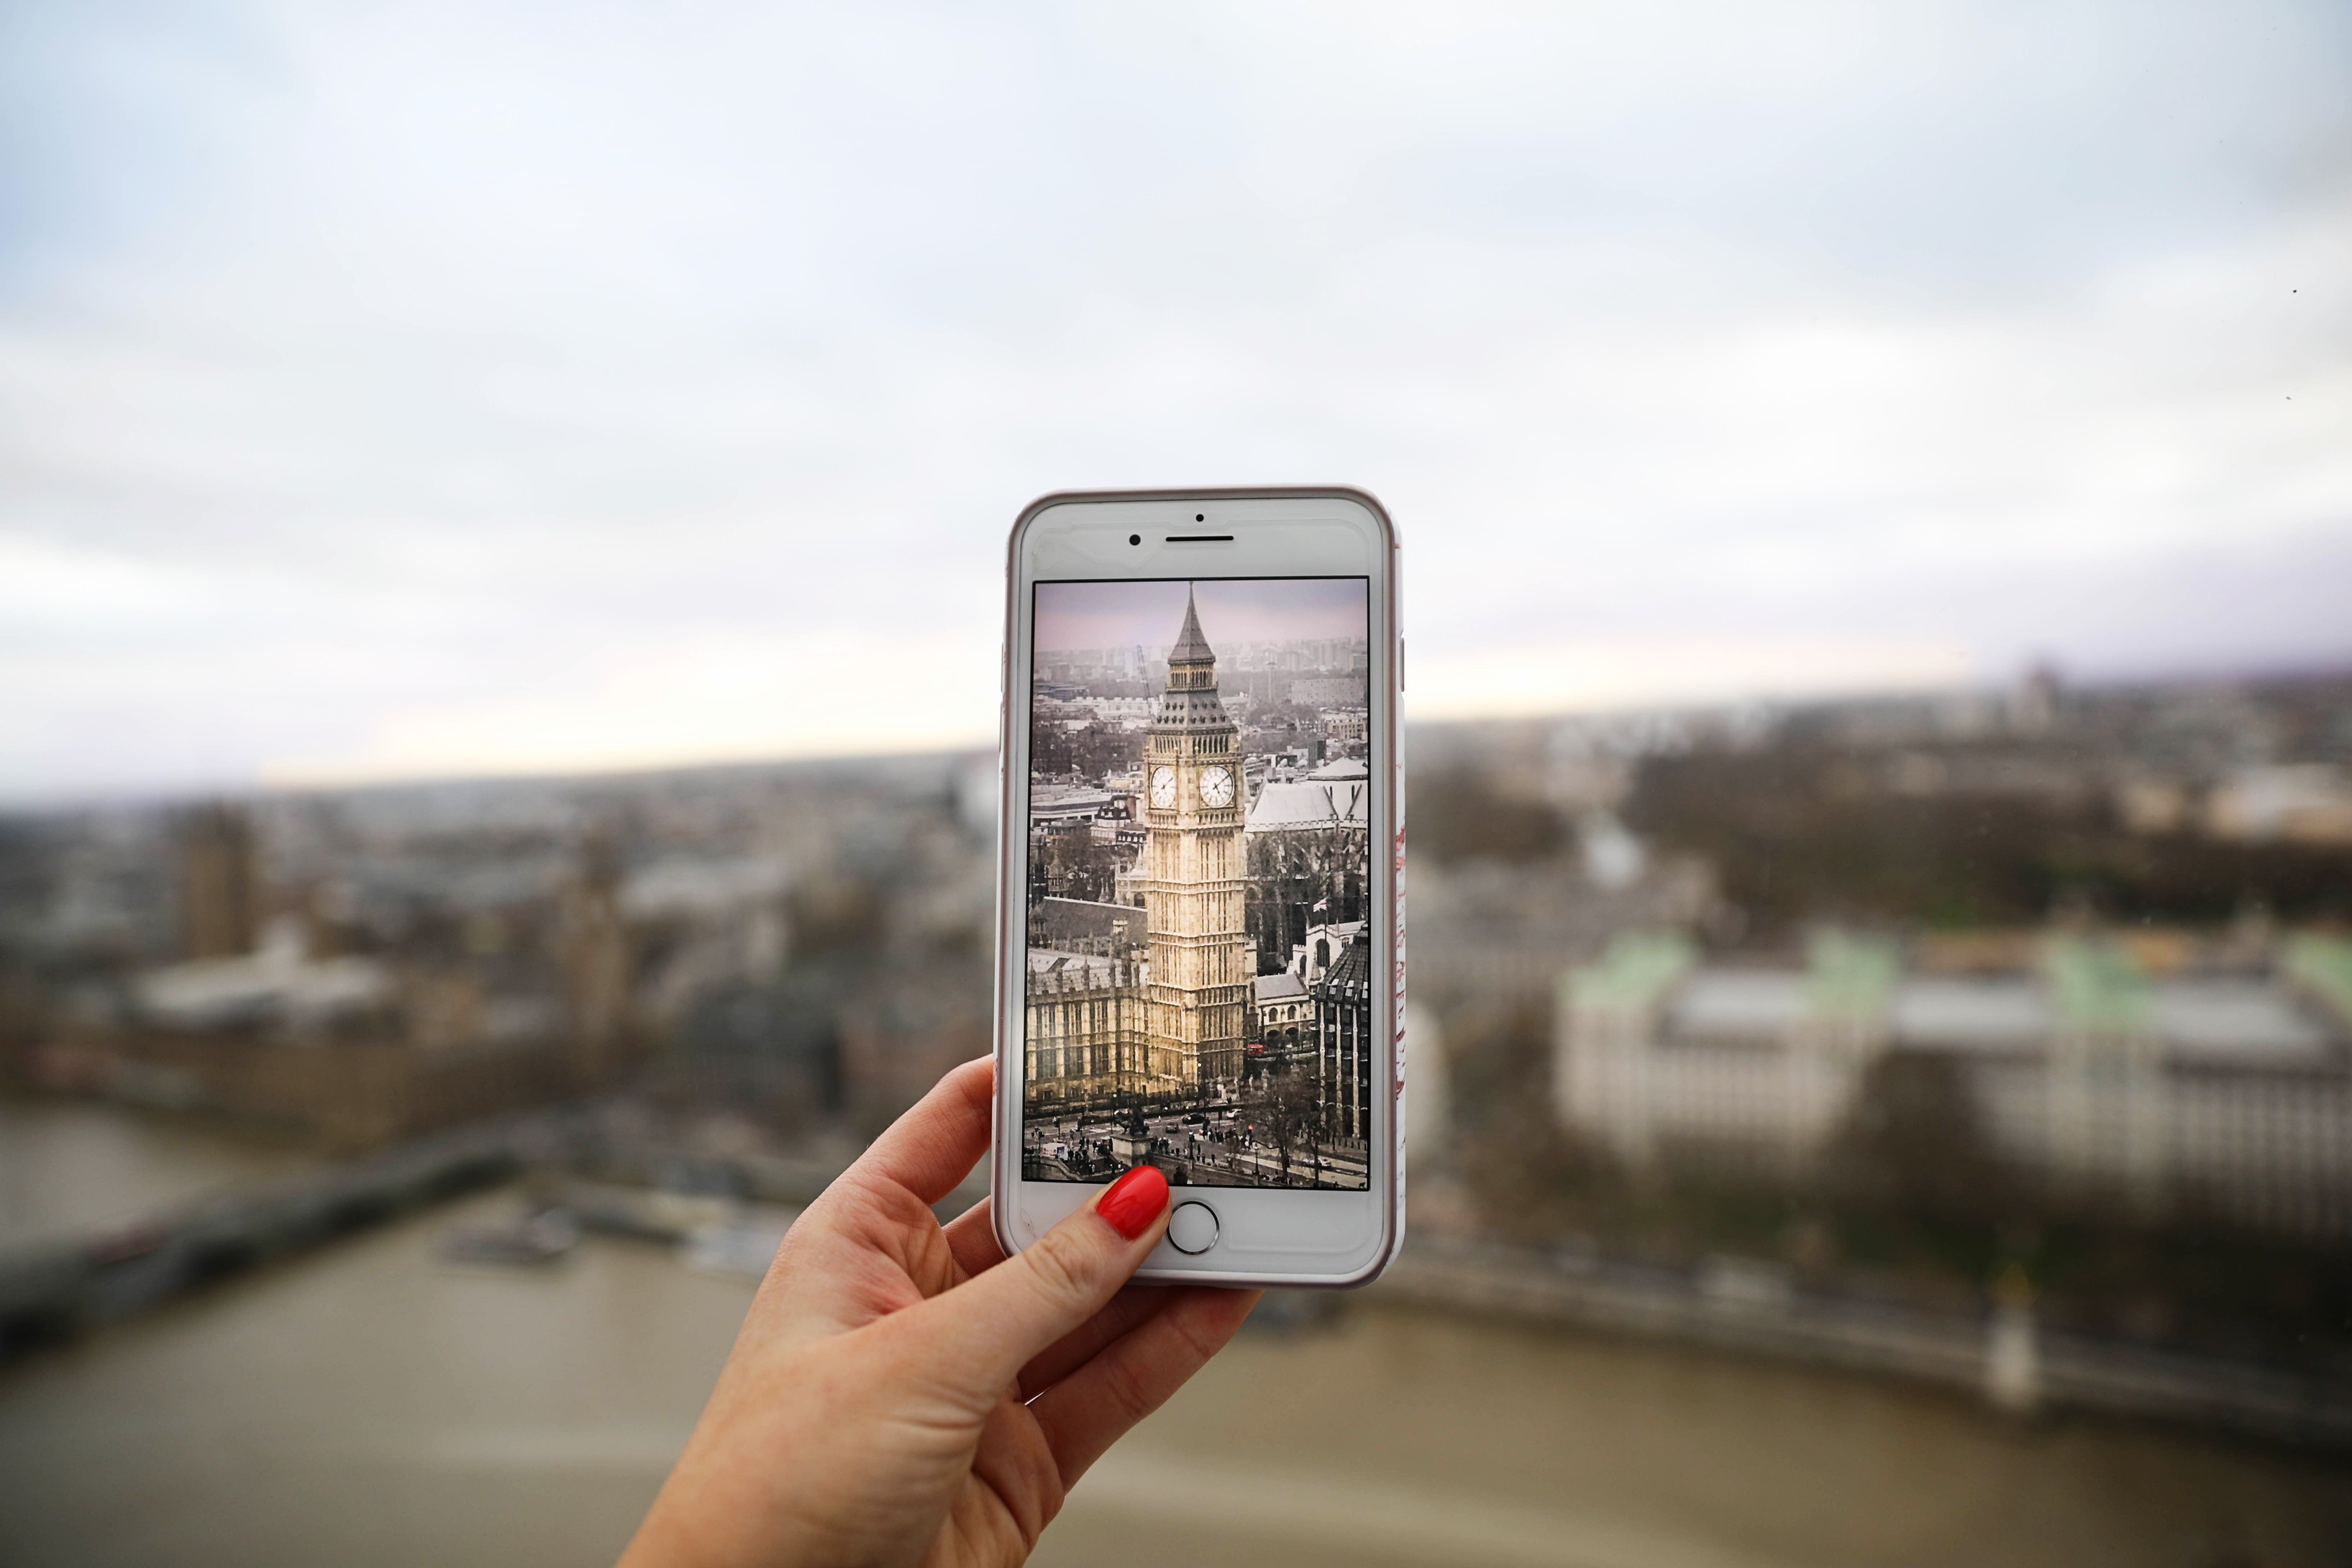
x,y
1200,985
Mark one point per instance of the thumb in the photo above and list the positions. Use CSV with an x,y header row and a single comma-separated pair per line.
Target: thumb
x,y
980,1335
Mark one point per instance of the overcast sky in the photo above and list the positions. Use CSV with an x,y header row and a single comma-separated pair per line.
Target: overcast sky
x,y
406,390
1072,616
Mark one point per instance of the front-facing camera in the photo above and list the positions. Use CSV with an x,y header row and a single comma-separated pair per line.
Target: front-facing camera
x,y
1134,538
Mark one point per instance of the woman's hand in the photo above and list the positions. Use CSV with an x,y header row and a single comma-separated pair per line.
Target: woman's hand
x,y
905,1394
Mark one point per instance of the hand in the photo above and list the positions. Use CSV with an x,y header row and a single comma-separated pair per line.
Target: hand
x,y
905,1394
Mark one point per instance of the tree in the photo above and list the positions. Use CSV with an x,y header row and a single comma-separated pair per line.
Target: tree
x,y
1076,865
1914,1146
1289,1113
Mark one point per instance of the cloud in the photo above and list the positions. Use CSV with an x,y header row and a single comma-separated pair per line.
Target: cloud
x,y
417,389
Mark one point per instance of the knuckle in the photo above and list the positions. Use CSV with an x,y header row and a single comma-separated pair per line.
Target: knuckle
x,y
1198,1346
1065,1267
1126,1389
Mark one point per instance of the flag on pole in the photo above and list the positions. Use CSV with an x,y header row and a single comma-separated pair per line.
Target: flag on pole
x,y
1322,906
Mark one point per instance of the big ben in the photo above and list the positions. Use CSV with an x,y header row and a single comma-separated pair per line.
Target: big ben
x,y
1195,887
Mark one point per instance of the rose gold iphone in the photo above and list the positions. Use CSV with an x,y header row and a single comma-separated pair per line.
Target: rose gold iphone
x,y
1200,917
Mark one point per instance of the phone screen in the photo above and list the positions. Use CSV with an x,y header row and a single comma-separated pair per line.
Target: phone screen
x,y
1199,989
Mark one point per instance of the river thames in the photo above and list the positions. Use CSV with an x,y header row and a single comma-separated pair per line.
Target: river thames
x,y
373,1403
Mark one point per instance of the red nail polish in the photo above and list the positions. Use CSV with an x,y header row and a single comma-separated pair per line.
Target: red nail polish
x,y
1134,1201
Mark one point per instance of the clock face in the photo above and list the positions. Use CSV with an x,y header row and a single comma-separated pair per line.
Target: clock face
x,y
1163,786
1217,787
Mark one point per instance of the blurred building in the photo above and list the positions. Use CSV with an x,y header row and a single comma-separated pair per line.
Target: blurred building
x,y
278,990
450,951
596,962
220,899
2224,1096
2301,803
1490,932
906,1029
358,1049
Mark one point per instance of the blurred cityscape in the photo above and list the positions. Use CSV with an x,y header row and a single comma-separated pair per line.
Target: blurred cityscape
x,y
795,946
2041,997
2045,993
1999,1040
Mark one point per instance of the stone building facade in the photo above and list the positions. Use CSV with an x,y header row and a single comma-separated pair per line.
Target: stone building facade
x,y
1346,1031
1161,1010
1195,804
2228,1097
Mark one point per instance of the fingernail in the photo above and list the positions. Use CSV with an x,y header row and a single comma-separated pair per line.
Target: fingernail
x,y
1134,1201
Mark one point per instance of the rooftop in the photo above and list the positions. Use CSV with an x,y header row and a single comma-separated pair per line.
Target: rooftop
x,y
1351,966
261,987
2322,966
1061,799
1281,987
2201,1022
2097,987
1072,968
1992,1013
1310,803
1061,919
1737,1003
2242,1022
1638,969
1849,976
1191,647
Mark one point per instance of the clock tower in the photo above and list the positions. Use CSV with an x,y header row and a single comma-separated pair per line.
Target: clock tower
x,y
1194,887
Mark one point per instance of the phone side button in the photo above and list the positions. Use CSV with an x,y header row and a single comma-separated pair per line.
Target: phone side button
x,y
1193,1228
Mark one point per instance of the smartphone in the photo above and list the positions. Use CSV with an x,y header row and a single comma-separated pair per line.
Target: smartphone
x,y
1200,904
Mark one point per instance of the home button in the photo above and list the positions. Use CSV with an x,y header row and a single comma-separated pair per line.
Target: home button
x,y
1193,1228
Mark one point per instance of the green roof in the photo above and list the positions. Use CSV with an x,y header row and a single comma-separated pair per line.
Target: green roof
x,y
2323,965
1851,976
1639,968
2096,986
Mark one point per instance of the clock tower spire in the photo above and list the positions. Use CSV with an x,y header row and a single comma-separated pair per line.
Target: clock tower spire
x,y
1193,883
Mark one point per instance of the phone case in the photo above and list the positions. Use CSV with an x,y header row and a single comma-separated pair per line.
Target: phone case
x,y
1386,865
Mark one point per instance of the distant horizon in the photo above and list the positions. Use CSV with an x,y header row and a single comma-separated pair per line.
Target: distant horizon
x,y
947,750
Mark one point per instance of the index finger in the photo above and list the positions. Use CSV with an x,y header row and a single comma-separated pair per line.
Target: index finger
x,y
937,1141
1134,1375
